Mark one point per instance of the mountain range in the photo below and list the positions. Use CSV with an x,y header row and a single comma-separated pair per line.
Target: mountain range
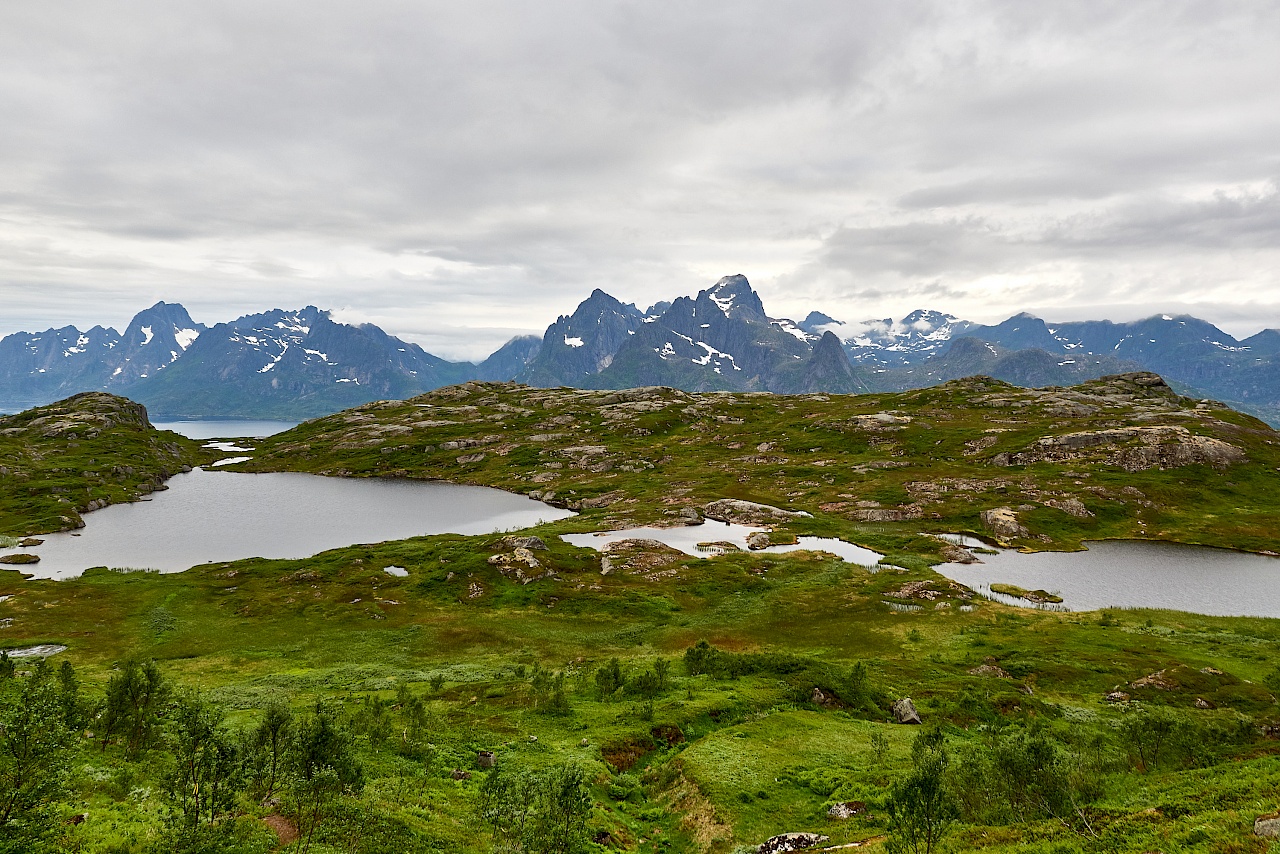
x,y
300,363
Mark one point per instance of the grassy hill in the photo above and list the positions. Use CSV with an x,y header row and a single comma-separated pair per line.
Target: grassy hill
x,y
1123,456
85,452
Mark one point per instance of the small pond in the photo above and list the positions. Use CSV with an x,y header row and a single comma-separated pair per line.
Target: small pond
x,y
688,538
1135,574
213,516
225,428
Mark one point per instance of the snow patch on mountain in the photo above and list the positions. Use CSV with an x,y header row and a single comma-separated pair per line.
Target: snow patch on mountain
x,y
185,337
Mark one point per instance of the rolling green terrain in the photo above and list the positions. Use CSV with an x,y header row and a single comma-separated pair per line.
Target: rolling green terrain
x,y
1117,457
677,704
79,454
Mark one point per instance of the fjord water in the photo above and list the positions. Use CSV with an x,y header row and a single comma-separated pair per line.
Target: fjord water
x,y
210,516
1136,574
219,428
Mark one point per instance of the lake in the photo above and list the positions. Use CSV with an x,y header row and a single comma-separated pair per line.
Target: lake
x,y
687,539
215,516
1135,574
225,428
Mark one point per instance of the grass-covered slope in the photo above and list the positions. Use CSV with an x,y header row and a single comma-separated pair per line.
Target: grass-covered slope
x,y
78,454
1123,456
459,656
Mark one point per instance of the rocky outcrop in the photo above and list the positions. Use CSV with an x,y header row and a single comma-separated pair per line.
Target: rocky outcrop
x,y
1130,448
748,512
534,543
791,842
1157,680
1003,522
686,516
758,540
888,514
904,711
952,553
519,564
651,559
1070,506
1267,826
846,810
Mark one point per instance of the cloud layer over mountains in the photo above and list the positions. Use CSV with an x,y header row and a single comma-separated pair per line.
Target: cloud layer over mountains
x,y
458,172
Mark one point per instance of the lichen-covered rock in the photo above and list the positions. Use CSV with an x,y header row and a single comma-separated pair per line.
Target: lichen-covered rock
x,y
687,516
1130,448
1157,680
524,543
889,514
1071,506
758,540
1003,522
791,842
904,711
1267,826
952,553
846,810
748,512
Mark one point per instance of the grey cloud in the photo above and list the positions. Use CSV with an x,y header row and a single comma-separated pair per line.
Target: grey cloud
x,y
452,167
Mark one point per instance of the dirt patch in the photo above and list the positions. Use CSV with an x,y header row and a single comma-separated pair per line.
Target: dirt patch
x,y
697,814
623,754
286,832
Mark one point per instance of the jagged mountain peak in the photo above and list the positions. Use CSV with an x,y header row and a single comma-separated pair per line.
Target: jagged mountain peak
x,y
734,297
923,318
816,322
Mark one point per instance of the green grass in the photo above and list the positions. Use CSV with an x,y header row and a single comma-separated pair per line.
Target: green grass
x,y
93,449
713,763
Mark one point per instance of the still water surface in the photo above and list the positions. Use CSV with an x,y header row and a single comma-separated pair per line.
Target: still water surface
x,y
1133,574
225,428
209,516
688,539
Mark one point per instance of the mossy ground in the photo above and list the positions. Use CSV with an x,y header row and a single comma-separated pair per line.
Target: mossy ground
x,y
94,449
721,762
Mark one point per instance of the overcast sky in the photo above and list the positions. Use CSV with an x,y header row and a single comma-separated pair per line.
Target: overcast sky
x,y
462,172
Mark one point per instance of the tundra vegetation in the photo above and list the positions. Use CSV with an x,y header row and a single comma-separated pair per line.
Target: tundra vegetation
x,y
484,702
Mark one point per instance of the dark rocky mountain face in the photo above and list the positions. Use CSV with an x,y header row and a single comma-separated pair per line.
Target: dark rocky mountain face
x,y
1190,352
293,364
40,366
890,343
582,344
1029,368
509,359
722,339
288,364
154,339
